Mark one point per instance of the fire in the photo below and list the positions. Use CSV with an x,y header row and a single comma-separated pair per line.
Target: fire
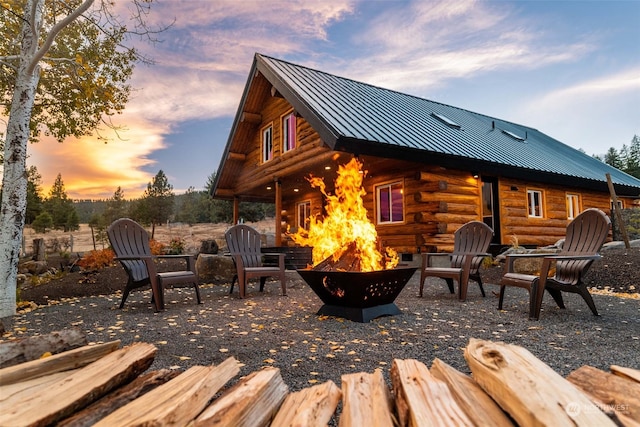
x,y
345,224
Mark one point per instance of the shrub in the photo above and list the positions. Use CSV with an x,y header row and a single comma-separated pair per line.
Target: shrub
x,y
176,246
157,248
95,260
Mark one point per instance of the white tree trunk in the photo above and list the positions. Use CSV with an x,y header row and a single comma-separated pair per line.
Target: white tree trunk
x,y
14,180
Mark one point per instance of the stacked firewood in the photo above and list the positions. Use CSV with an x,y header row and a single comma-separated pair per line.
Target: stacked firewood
x,y
108,385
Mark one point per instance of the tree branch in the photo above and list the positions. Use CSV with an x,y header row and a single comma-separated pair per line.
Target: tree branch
x,y
55,30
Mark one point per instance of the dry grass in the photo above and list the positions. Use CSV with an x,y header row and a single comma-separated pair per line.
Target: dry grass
x,y
192,235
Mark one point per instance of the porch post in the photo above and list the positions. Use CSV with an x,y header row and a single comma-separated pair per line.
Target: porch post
x,y
278,230
236,209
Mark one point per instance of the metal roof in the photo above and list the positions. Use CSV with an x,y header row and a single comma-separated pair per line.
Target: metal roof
x,y
365,119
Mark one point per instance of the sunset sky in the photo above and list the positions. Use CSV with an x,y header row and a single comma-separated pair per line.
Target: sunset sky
x,y
568,68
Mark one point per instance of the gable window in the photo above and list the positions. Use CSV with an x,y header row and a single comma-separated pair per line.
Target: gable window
x,y
303,212
288,132
534,203
390,203
267,144
573,205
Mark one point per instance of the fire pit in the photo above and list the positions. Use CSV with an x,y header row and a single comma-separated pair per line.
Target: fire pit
x,y
358,296
352,274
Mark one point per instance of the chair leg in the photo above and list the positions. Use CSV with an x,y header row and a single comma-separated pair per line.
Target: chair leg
x,y
421,286
462,290
586,296
557,297
536,293
283,284
156,290
450,285
195,285
263,279
125,294
502,289
479,281
233,281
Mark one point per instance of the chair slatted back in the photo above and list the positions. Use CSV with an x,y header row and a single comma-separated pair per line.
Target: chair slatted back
x,y
245,241
472,237
585,236
128,238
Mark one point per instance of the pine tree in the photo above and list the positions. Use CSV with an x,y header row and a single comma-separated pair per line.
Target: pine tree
x,y
59,205
34,198
157,201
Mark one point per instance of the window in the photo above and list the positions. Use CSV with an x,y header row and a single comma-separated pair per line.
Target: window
x,y
267,144
573,205
390,203
620,205
288,132
304,212
534,203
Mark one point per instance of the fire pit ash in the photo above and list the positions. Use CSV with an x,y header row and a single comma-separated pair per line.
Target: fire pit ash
x,y
352,277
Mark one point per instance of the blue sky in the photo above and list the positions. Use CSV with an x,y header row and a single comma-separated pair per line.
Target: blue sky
x,y
571,69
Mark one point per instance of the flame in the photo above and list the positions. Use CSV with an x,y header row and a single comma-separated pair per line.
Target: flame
x,y
345,222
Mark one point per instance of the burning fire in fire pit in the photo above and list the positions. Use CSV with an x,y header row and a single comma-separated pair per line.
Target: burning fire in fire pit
x,y
345,239
353,278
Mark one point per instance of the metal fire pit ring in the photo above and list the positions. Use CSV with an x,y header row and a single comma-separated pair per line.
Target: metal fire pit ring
x,y
358,296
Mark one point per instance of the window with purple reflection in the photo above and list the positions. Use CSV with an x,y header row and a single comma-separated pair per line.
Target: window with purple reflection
x,y
390,203
288,132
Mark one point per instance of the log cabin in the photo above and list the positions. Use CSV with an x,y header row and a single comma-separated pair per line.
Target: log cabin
x,y
431,167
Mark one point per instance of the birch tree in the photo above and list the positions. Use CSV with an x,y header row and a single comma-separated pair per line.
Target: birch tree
x,y
64,68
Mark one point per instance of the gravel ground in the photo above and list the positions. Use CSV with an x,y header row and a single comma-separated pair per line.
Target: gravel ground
x,y
285,332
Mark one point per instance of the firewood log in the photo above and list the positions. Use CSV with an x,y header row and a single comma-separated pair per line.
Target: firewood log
x,y
177,402
421,399
629,373
32,348
477,404
528,389
366,400
118,398
611,393
253,401
77,390
310,407
71,359
32,386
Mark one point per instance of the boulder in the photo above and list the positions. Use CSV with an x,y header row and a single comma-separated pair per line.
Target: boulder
x,y
209,247
33,267
214,268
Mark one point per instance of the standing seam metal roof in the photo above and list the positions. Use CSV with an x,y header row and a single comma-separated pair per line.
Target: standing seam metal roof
x,y
370,114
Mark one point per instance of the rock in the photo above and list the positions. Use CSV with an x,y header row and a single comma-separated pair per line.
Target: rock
x,y
215,268
33,267
209,247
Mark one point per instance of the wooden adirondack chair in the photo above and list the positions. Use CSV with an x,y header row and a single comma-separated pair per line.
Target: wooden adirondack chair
x,y
130,242
471,242
584,238
244,245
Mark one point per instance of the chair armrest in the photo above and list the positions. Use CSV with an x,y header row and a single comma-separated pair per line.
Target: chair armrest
x,y
185,256
575,257
134,258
